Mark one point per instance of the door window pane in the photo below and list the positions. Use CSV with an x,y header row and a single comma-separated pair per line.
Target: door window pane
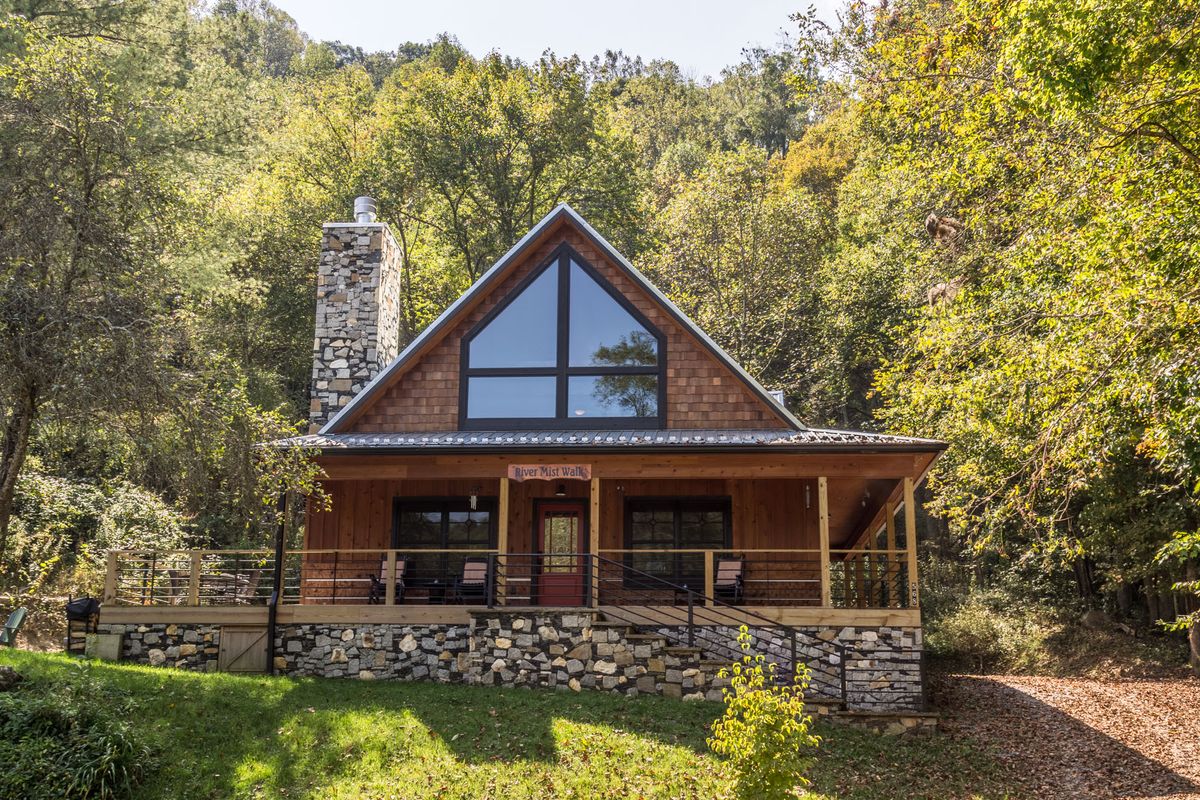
x,y
560,537
602,331
525,333
511,397
612,396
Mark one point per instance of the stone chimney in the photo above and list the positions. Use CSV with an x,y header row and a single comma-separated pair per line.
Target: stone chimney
x,y
358,310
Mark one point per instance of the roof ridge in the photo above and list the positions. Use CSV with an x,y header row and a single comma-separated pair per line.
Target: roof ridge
x,y
443,319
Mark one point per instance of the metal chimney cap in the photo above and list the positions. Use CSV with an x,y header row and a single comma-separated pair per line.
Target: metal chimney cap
x,y
364,210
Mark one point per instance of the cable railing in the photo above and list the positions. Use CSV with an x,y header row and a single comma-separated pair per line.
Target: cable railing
x,y
189,577
744,578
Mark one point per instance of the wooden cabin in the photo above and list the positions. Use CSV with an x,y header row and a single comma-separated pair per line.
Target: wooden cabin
x,y
561,440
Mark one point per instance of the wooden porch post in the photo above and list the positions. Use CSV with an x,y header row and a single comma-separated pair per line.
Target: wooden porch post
x,y
708,577
389,590
501,565
110,577
893,566
594,539
910,537
823,522
194,578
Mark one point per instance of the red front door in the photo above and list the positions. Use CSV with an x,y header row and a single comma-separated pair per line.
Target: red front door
x,y
561,540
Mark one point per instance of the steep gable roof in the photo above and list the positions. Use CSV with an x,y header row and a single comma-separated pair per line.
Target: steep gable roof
x,y
562,214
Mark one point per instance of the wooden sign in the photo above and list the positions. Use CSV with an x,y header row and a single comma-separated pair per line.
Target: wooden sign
x,y
550,472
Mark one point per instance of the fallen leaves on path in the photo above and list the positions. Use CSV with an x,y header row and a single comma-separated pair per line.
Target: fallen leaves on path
x,y
1082,738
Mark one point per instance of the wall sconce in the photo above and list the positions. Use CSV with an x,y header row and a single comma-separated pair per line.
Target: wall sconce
x,y
560,490
474,500
807,496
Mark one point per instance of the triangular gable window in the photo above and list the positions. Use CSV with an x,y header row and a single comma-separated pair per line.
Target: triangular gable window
x,y
564,350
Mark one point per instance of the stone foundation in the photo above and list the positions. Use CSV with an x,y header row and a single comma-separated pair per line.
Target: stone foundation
x,y
570,651
189,646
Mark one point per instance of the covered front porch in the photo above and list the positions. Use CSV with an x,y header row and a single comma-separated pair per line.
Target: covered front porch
x,y
796,539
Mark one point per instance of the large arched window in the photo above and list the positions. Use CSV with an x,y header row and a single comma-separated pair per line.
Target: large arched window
x,y
564,350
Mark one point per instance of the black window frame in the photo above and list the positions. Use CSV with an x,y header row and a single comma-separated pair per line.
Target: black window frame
x,y
562,256
445,505
676,504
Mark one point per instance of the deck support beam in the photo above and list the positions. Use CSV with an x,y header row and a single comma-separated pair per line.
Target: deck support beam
x,y
910,542
823,529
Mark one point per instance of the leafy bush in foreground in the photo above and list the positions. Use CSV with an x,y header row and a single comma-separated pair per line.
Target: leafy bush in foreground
x,y
764,733
68,739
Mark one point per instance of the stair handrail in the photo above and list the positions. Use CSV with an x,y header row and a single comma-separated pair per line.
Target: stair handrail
x,y
743,612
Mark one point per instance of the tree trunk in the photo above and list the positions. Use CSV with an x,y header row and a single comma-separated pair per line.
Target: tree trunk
x,y
1194,644
12,457
1124,599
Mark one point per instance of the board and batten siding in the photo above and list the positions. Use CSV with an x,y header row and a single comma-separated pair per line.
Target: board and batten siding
x,y
767,513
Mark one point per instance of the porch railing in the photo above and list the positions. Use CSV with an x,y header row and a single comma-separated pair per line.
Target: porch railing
x,y
413,576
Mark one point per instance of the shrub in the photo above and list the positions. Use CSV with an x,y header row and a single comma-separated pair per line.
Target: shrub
x,y
764,732
989,631
68,739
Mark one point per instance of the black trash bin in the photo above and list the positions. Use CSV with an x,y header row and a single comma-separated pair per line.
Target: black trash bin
x,y
83,617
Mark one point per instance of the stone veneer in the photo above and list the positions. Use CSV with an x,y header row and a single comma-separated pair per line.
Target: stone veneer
x,y
561,650
188,646
358,313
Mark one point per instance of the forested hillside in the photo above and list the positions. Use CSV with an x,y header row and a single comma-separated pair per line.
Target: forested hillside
x,y
976,221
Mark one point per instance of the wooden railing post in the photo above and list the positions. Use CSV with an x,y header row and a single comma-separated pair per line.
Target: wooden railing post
x,y
389,591
110,577
823,523
910,539
501,565
893,566
594,539
197,563
708,577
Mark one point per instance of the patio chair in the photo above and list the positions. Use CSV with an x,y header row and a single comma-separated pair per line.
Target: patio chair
x,y
728,581
378,591
8,634
473,584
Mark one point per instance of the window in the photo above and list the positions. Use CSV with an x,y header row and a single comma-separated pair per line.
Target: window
x,y
440,524
656,524
565,350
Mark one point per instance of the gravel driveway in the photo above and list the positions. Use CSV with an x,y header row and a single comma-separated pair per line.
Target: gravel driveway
x,y
1080,738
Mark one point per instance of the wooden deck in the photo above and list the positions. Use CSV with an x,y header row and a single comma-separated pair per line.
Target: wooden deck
x,y
460,615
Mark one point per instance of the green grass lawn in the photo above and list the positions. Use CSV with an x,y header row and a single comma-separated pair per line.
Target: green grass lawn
x,y
223,736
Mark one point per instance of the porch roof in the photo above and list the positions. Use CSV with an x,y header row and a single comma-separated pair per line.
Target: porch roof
x,y
807,440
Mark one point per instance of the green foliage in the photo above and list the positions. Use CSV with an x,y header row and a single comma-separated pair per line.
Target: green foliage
x,y
764,732
63,527
69,738
730,239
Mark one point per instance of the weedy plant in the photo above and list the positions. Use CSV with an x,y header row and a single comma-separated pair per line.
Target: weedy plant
x,y
68,739
764,733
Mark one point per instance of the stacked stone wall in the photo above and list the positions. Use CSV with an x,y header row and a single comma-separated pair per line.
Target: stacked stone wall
x,y
570,651
188,646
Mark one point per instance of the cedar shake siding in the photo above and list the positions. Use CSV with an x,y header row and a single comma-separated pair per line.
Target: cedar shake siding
x,y
701,392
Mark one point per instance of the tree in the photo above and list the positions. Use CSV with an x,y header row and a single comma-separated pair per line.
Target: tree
x,y
740,255
496,144
1035,157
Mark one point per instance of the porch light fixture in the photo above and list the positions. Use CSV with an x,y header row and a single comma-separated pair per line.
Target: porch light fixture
x,y
474,502
560,490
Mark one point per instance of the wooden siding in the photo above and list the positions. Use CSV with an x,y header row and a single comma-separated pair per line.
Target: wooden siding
x,y
767,513
701,392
